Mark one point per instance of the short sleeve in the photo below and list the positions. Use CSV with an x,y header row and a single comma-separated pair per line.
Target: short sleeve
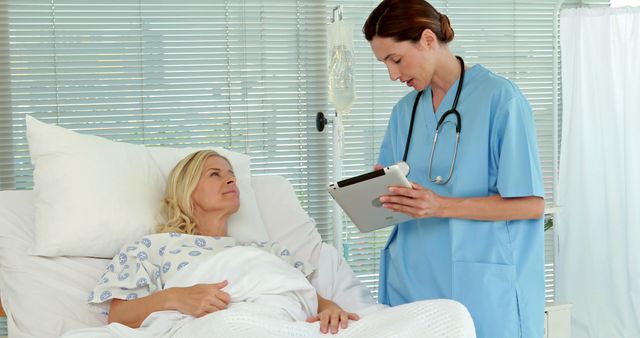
x,y
131,273
516,165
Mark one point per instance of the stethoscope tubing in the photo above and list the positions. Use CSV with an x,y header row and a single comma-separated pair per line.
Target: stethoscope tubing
x,y
441,122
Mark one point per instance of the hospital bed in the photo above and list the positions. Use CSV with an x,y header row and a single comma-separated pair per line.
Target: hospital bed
x,y
46,296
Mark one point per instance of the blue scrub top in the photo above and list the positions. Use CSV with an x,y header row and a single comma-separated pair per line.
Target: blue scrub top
x,y
495,268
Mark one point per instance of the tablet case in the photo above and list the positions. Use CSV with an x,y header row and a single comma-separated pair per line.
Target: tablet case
x,y
359,198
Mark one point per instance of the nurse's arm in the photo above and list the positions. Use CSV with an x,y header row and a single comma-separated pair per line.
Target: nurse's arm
x,y
492,208
419,202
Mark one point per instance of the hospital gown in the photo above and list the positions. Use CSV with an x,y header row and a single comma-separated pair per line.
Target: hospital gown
x,y
144,266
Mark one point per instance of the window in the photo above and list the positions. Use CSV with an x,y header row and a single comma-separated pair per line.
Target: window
x,y
248,75
623,3
245,75
511,38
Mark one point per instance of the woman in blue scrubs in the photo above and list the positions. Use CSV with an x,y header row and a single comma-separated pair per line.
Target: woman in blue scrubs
x,y
478,237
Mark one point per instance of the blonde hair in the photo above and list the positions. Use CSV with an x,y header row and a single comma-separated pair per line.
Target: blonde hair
x,y
177,206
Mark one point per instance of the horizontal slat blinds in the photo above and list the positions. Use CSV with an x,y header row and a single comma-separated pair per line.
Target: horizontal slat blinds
x,y
514,39
364,129
6,143
245,75
511,38
549,266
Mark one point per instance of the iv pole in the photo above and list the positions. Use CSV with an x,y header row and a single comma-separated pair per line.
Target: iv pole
x,y
338,146
341,95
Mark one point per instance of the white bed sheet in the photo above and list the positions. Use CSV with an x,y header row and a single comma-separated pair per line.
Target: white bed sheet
x,y
428,319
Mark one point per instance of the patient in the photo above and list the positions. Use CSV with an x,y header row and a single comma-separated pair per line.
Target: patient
x,y
173,269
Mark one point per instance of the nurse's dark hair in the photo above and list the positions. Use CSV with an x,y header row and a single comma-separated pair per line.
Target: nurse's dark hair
x,y
405,20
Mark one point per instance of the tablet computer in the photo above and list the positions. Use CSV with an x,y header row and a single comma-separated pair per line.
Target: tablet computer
x,y
359,198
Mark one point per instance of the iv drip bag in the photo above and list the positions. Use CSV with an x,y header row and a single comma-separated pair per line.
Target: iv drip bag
x,y
341,81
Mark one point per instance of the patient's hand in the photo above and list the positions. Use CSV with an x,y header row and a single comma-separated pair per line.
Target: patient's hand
x,y
197,301
200,299
331,316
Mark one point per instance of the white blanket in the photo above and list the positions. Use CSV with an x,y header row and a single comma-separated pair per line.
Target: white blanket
x,y
255,276
426,319
265,298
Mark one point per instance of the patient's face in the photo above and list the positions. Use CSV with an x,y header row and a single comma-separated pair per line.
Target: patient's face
x,y
216,192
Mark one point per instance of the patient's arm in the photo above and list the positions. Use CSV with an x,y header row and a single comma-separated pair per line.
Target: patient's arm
x,y
332,316
197,300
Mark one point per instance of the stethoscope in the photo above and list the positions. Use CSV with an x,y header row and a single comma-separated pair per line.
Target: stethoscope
x,y
404,165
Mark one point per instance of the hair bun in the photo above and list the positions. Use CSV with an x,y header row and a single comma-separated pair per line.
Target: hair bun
x,y
445,28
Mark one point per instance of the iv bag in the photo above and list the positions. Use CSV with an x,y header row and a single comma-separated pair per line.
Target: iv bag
x,y
341,81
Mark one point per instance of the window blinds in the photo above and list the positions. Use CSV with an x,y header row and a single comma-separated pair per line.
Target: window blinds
x,y
245,75
511,38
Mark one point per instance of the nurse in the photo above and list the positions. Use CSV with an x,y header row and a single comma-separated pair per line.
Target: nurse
x,y
477,236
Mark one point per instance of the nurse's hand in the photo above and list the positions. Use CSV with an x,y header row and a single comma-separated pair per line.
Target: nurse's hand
x,y
417,202
378,167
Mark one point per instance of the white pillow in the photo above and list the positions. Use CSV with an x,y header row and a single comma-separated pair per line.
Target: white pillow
x,y
92,195
294,228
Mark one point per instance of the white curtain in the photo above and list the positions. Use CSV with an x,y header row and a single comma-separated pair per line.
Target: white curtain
x,y
598,263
